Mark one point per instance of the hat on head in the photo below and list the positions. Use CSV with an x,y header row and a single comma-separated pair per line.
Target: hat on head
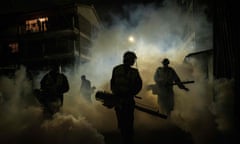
x,y
165,61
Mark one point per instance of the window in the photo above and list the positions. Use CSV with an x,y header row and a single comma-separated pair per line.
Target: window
x,y
13,47
37,25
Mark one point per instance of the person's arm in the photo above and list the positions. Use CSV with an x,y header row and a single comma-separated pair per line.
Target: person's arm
x,y
43,82
112,81
156,76
137,84
159,78
65,85
177,80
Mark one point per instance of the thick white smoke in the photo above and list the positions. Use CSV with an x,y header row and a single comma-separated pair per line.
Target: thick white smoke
x,y
158,33
22,122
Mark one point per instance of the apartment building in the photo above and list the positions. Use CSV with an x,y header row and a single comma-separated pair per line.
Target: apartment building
x,y
58,34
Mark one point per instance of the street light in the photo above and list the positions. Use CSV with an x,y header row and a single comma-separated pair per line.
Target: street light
x,y
131,39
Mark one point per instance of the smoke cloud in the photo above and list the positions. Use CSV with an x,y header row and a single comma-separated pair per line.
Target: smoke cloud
x,y
158,32
161,32
22,121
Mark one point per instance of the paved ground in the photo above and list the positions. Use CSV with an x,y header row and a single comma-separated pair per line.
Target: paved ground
x,y
152,130
172,135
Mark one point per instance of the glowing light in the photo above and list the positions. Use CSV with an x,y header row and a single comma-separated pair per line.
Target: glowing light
x,y
43,19
37,25
13,47
131,39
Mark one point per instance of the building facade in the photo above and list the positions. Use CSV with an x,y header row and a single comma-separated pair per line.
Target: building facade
x,y
59,34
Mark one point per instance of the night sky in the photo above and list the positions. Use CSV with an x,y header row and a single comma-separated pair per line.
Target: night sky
x,y
105,8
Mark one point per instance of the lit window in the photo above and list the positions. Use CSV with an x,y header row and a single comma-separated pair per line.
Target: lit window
x,y
13,47
37,25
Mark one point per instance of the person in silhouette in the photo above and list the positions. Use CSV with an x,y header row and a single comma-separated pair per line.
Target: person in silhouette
x,y
53,85
164,78
85,88
125,83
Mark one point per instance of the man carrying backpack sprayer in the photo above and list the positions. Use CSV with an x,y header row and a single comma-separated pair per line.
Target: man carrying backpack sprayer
x,y
53,85
125,83
165,77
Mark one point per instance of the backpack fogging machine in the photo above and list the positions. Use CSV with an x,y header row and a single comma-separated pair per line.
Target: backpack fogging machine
x,y
109,100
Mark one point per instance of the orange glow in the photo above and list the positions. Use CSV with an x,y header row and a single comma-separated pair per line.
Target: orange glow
x,y
37,25
13,47
43,19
